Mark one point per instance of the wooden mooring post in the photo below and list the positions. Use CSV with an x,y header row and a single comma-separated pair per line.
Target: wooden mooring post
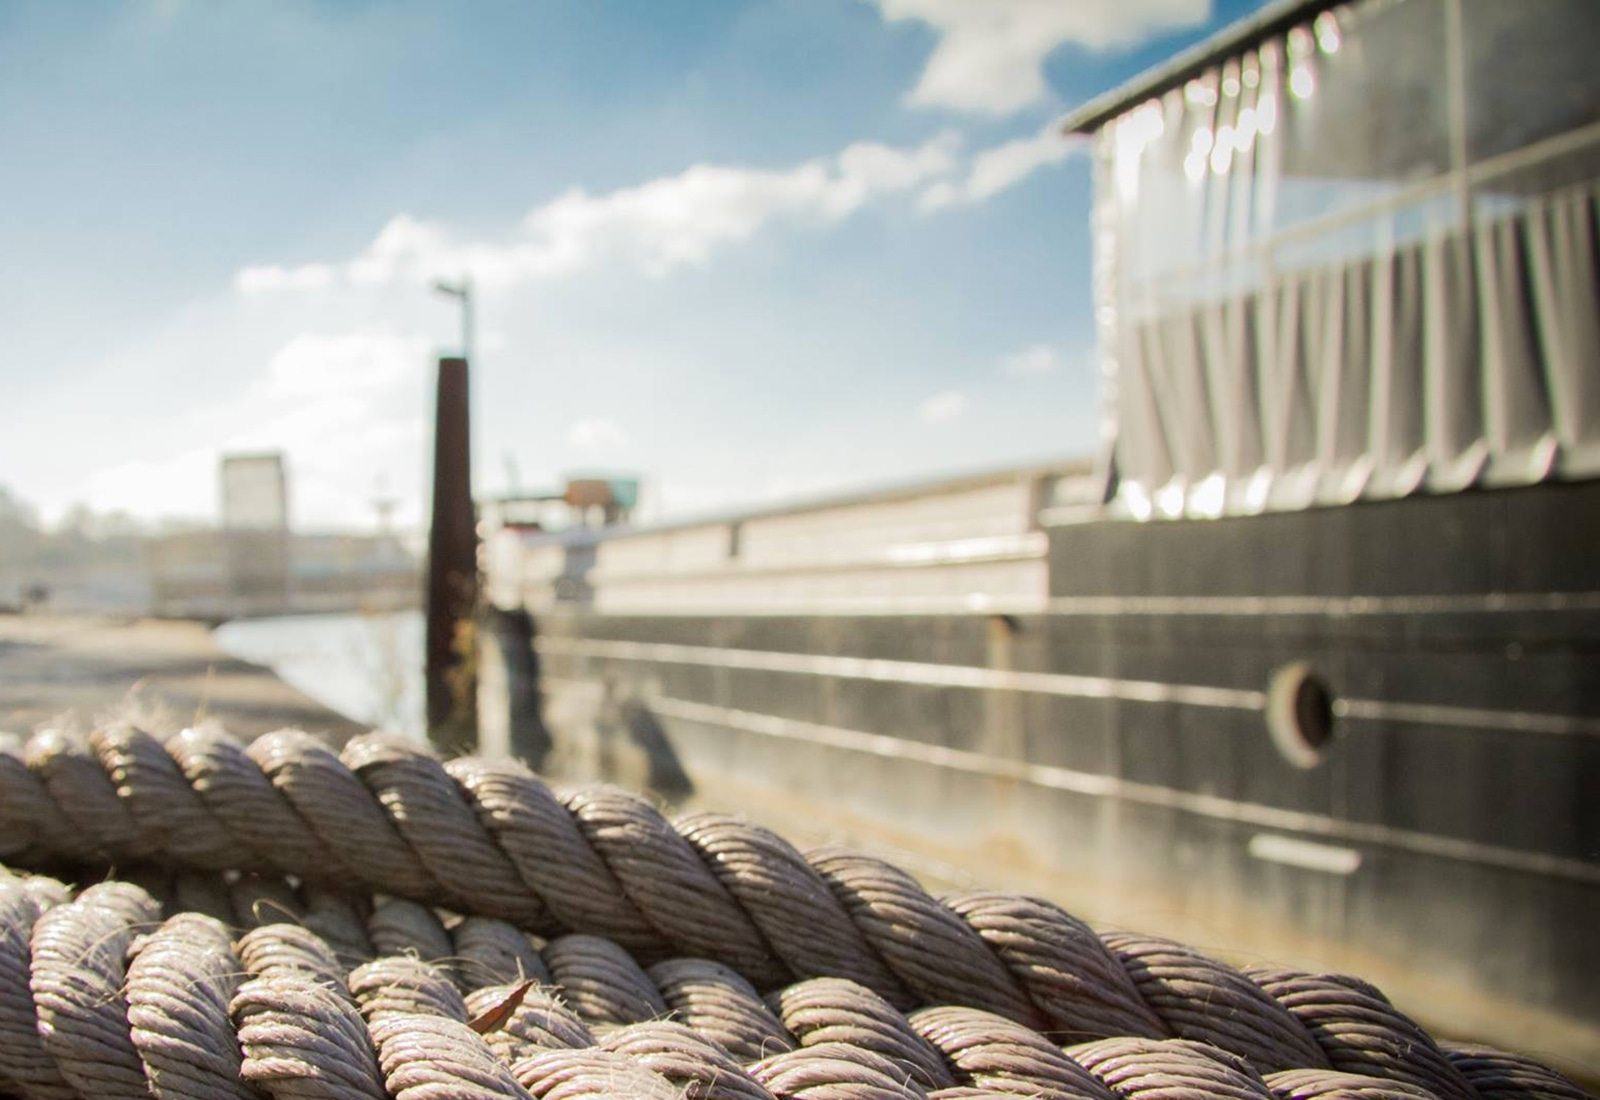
x,y
452,570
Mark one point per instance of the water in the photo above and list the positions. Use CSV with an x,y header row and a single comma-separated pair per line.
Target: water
x,y
368,667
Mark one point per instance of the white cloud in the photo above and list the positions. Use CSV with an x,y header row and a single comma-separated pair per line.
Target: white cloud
x,y
654,227
180,483
346,408
316,364
597,433
1038,359
268,278
1000,168
942,407
991,53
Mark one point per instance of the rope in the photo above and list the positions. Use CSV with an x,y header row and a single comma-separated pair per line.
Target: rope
x,y
836,1010
789,902
274,950
24,1065
1316,1084
720,1004
1170,1069
427,1057
489,951
178,990
993,1052
403,985
709,911
1234,1014
1500,1076
601,980
400,927
302,1040
540,1021
589,1075
693,1064
299,1033
1362,1032
834,1071
79,954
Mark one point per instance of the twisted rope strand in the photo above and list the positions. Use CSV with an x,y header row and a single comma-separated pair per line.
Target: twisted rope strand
x,y
1498,1075
84,795
990,1051
666,879
720,1004
1361,1032
159,797
35,830
303,1041
433,817
79,965
601,981
541,1021
1319,1084
24,1065
1200,998
236,790
789,902
178,990
687,1060
837,1010
550,854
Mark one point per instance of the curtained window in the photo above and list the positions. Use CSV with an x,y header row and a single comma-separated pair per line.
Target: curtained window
x,y
1357,261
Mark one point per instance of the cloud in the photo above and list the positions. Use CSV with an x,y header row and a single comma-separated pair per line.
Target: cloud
x,y
180,483
597,433
1038,359
347,409
316,364
1000,168
269,278
654,227
942,407
990,56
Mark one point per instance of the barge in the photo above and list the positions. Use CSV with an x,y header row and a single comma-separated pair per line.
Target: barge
x,y
1305,661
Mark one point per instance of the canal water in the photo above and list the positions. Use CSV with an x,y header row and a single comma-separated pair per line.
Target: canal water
x,y
368,667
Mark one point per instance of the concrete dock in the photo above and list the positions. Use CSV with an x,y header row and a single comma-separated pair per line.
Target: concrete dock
x,y
167,673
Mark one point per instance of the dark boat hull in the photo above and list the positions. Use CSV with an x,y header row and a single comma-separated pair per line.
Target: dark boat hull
x,y
1111,748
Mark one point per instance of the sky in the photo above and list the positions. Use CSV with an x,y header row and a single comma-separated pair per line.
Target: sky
x,y
747,249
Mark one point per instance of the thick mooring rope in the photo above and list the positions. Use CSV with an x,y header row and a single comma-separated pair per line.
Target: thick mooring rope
x,y
600,949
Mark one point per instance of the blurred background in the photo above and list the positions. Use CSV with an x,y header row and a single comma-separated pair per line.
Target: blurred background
x,y
734,254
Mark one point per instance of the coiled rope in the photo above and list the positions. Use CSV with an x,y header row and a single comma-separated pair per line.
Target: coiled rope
x,y
700,957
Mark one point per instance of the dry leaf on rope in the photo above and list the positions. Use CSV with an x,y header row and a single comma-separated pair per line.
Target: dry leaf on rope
x,y
497,1014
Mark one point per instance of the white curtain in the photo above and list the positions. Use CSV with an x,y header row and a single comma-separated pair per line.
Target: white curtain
x,y
1311,293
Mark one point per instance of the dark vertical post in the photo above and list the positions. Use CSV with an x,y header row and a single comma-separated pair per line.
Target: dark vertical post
x,y
452,569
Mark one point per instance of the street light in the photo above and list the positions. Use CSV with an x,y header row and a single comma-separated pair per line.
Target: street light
x,y
462,292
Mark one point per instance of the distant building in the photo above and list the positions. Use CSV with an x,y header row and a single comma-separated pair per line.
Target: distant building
x,y
253,564
255,525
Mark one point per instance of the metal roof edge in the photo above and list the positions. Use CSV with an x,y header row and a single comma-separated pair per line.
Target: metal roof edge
x,y
1274,17
844,498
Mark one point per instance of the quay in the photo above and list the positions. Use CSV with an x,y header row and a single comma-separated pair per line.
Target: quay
x,y
167,672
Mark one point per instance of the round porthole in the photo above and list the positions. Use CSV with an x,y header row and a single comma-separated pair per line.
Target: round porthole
x,y
1299,714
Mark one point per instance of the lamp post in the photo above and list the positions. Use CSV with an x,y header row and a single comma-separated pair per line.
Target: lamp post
x,y
461,290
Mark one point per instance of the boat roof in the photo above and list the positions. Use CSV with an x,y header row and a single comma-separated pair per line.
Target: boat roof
x,y
1272,18
878,494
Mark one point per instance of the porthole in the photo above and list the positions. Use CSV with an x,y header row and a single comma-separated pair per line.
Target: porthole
x,y
1299,714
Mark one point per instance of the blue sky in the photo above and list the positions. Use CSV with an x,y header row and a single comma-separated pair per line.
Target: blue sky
x,y
747,249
